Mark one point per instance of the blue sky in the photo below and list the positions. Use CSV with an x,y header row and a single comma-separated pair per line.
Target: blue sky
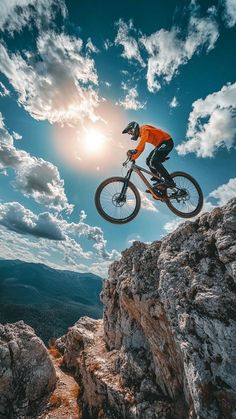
x,y
72,74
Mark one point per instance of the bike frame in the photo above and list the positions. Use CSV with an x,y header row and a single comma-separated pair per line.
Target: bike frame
x,y
138,169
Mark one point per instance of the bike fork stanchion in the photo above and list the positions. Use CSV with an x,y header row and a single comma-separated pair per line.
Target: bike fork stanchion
x,y
125,186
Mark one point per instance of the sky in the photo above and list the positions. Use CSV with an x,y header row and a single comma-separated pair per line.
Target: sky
x,y
72,75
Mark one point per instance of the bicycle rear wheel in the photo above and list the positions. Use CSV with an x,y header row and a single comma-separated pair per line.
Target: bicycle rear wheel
x,y
109,204
186,200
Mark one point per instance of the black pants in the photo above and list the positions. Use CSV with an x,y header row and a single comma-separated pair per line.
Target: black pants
x,y
157,156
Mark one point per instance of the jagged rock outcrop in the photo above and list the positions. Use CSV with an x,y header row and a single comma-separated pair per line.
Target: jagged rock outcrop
x,y
167,345
27,374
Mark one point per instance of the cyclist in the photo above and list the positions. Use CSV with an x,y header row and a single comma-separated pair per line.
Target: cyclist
x,y
163,144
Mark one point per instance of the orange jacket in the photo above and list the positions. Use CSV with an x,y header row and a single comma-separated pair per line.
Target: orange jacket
x,y
152,135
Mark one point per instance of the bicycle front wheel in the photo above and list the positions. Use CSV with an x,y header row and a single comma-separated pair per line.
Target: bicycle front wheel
x,y
186,200
109,204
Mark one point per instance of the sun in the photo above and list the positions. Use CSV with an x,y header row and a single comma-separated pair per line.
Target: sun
x,y
93,141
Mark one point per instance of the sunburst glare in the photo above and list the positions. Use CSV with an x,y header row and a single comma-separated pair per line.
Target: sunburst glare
x,y
93,141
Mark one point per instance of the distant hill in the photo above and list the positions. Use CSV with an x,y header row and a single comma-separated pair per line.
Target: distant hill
x,y
47,299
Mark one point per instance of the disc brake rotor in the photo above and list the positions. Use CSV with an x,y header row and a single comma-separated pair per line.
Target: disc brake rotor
x,y
117,202
183,195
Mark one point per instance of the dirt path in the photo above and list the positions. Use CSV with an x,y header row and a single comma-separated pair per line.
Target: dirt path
x,y
63,401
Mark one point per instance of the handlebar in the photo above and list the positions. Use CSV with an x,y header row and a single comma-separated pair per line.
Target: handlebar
x,y
129,159
130,154
124,164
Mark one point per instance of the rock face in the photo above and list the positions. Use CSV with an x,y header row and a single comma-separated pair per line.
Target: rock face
x,y
27,375
167,345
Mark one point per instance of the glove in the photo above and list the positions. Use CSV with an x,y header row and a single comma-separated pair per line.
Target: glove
x,y
131,153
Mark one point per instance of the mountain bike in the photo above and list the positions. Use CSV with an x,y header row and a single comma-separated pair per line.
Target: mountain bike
x,y
118,200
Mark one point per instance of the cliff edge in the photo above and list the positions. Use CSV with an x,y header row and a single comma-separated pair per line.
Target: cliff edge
x,y
166,347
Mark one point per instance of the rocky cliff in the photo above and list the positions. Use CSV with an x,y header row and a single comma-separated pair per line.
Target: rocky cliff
x,y
166,347
27,374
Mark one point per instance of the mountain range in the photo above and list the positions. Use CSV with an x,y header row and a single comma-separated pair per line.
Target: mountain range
x,y
47,299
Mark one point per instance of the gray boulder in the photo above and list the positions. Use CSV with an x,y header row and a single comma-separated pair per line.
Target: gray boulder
x,y
27,374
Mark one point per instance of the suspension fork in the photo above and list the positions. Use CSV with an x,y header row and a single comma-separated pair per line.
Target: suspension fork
x,y
125,186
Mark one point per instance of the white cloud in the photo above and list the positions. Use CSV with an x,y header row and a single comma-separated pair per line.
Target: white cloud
x,y
129,43
137,237
38,250
9,156
3,90
147,204
174,102
3,172
91,47
230,12
164,49
167,50
95,234
35,177
57,82
107,44
171,225
16,217
21,220
211,123
131,99
48,232
15,14
225,192
41,180
16,136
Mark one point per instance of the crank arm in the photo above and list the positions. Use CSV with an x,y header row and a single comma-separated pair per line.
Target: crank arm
x,y
157,196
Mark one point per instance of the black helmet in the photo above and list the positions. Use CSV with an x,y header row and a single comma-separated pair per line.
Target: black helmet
x,y
134,127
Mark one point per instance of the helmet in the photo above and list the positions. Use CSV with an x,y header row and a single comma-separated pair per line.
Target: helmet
x,y
134,128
